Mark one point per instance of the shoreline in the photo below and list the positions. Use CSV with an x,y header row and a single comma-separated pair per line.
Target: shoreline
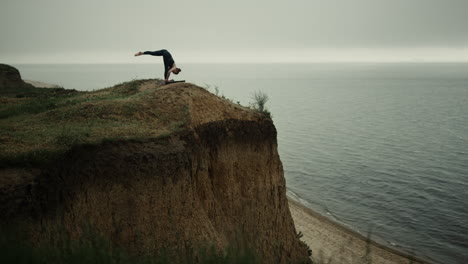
x,y
38,84
331,241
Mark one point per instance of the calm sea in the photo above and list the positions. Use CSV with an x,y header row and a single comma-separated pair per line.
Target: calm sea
x,y
382,148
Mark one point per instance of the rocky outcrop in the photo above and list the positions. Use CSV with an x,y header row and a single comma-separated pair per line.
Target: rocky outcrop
x,y
12,85
10,78
217,181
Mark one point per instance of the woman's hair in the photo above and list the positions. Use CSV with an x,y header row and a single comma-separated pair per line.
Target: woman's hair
x,y
178,70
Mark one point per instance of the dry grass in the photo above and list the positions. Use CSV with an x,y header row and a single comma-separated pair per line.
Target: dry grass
x,y
37,128
34,129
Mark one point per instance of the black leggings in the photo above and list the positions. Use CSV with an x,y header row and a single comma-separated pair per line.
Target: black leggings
x,y
167,57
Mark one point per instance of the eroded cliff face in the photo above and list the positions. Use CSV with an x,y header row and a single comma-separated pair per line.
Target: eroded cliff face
x,y
216,181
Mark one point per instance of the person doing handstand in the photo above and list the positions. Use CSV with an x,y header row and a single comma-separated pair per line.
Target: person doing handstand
x,y
169,63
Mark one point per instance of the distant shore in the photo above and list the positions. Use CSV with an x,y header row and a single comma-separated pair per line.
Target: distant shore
x,y
41,84
331,241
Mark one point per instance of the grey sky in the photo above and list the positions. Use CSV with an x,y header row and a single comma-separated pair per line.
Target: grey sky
x,y
91,30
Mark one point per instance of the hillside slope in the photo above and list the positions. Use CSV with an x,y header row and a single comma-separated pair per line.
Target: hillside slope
x,y
150,167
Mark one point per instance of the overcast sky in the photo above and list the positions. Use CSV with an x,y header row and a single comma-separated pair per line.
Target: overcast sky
x,y
234,31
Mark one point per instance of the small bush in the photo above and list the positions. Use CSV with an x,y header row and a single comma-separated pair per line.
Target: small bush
x,y
304,244
260,99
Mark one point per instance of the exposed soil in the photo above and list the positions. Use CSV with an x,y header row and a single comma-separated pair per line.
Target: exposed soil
x,y
216,179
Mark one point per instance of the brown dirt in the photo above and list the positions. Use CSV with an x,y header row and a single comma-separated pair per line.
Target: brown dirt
x,y
216,178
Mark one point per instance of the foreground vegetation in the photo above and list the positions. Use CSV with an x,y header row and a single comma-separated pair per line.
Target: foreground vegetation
x,y
93,248
39,124
35,127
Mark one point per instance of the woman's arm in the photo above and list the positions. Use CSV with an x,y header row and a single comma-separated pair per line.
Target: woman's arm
x,y
169,72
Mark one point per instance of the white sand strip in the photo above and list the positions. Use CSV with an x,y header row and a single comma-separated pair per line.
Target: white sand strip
x,y
41,84
332,242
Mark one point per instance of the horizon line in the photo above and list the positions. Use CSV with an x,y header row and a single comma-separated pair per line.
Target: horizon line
x,y
253,62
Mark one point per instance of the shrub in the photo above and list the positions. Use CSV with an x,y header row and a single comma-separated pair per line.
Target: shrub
x,y
304,244
260,99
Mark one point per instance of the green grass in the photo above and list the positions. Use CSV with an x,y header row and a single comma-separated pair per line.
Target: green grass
x,y
35,130
28,107
39,128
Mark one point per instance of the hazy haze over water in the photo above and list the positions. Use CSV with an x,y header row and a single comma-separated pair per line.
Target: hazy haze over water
x,y
65,31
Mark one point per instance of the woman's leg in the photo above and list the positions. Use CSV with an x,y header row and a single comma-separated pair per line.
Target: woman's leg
x,y
155,53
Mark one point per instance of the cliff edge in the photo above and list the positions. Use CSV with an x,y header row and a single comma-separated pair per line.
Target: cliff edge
x,y
150,167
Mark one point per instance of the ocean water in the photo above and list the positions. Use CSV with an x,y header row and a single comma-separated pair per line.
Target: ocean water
x,y
381,148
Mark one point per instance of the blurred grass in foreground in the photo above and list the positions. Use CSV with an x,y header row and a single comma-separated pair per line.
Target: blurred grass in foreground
x,y
93,248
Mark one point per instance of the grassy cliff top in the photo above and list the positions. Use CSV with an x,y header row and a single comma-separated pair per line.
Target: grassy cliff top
x,y
48,122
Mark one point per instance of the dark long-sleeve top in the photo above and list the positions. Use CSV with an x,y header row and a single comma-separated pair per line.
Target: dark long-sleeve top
x,y
167,57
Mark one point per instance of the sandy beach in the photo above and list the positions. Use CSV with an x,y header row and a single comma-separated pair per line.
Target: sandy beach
x,y
41,84
333,243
